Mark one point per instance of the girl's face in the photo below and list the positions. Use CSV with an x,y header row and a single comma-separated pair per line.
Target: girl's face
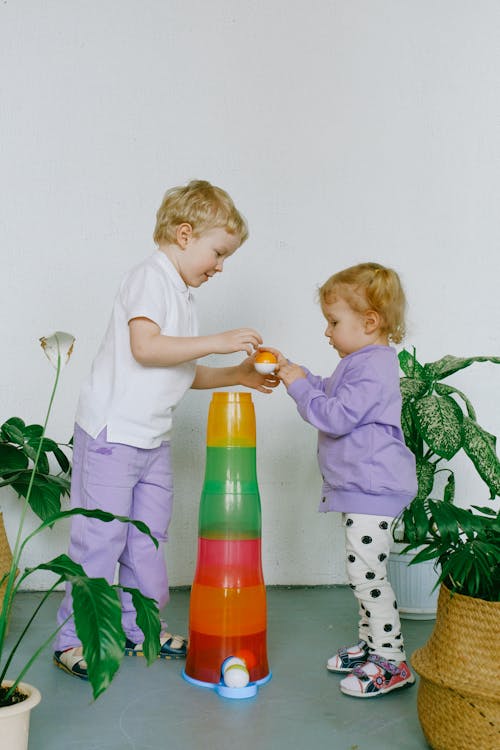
x,y
346,328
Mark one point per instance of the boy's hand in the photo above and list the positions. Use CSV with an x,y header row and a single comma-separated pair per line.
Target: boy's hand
x,y
238,340
250,378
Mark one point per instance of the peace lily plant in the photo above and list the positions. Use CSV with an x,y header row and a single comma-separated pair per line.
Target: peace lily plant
x,y
96,603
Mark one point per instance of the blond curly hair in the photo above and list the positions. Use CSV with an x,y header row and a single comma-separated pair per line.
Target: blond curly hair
x,y
203,206
370,286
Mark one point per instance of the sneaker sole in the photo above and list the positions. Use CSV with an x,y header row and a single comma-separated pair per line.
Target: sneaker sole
x,y
342,670
168,657
66,669
355,694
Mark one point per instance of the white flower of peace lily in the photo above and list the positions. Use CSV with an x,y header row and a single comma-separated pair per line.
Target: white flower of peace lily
x,y
58,348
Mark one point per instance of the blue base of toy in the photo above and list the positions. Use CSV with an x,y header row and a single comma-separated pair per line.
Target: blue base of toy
x,y
249,691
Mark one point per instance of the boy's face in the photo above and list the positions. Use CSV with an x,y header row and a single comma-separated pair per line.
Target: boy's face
x,y
202,257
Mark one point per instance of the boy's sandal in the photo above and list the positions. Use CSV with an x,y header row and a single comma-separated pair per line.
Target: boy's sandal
x,y
172,647
72,662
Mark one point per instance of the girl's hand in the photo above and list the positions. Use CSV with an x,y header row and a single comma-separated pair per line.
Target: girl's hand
x,y
279,356
250,378
288,373
238,340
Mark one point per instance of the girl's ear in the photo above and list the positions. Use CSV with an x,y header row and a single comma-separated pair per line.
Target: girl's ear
x,y
183,234
372,321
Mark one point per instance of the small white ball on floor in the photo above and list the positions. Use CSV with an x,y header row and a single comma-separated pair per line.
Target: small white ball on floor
x,y
235,673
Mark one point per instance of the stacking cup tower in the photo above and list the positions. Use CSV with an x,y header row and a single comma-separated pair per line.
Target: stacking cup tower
x,y
227,616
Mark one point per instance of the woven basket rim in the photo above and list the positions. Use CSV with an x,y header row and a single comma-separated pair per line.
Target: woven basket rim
x,y
425,659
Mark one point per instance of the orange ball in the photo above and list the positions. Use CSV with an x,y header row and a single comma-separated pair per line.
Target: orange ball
x,y
248,657
264,356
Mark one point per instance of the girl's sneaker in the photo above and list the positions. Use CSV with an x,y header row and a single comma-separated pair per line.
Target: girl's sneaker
x,y
349,657
376,676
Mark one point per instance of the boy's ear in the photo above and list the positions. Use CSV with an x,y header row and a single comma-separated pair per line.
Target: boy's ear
x,y
183,234
372,321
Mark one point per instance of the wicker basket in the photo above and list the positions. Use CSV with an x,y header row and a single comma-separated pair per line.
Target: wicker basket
x,y
459,667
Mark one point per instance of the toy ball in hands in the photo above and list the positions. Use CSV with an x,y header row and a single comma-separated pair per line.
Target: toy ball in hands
x,y
265,362
235,673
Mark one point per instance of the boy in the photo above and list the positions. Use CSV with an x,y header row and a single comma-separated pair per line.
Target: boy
x,y
146,362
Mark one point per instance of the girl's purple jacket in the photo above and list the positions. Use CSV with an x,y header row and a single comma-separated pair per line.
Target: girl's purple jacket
x,y
365,464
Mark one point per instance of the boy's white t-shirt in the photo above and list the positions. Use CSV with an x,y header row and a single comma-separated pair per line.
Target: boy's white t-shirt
x,y
135,403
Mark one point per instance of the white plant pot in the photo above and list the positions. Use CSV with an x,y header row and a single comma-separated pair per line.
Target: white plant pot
x,y
15,720
413,584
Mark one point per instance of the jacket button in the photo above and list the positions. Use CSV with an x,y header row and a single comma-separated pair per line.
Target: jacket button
x,y
323,499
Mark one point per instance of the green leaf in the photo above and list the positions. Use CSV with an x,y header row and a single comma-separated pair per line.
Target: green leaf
x,y
449,364
425,476
101,515
63,566
63,482
485,509
409,365
445,390
445,522
149,622
427,553
478,446
439,422
13,433
449,489
48,446
43,464
411,435
30,451
61,458
98,613
45,496
98,623
32,431
412,388
10,423
11,459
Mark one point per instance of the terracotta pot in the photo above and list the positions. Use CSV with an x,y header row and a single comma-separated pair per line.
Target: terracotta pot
x,y
15,720
459,666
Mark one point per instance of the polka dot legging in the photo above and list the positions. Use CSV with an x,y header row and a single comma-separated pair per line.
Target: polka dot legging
x,y
368,541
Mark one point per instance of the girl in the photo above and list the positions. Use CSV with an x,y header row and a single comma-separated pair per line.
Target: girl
x,y
368,472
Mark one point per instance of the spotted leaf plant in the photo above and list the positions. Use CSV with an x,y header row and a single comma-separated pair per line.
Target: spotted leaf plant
x,y
96,603
438,422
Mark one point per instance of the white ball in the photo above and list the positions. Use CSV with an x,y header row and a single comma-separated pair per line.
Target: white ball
x,y
265,368
236,676
235,673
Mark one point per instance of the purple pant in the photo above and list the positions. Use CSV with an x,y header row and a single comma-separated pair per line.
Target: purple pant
x,y
126,481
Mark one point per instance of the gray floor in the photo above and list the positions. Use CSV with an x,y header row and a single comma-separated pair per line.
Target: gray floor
x,y
301,707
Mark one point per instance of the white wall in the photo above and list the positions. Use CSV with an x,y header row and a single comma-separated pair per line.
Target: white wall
x,y
345,130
